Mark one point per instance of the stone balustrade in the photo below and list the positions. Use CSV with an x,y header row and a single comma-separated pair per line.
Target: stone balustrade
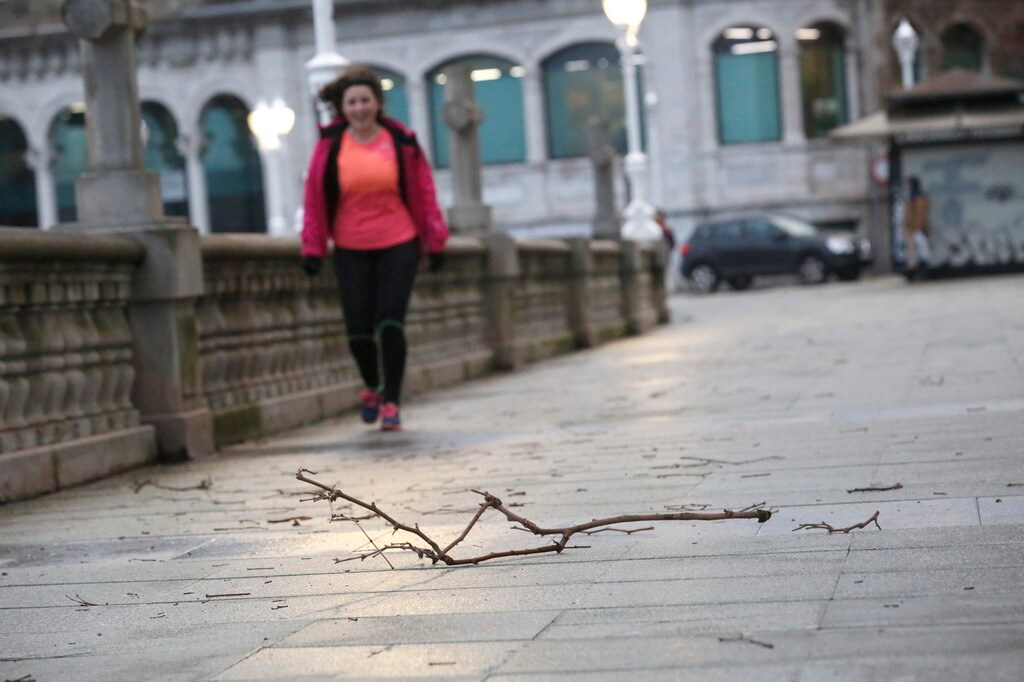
x,y
272,351
65,360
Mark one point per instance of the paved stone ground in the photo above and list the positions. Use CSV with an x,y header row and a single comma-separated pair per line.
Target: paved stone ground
x,y
787,395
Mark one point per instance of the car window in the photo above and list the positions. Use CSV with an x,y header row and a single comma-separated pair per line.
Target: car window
x,y
762,229
795,226
730,231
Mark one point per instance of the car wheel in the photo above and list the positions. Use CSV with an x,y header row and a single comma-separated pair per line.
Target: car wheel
x,y
812,270
740,283
703,278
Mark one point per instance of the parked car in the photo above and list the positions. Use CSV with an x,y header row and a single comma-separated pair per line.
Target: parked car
x,y
740,249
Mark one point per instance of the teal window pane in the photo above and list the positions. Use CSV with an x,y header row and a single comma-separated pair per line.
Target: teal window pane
x,y
823,80
499,93
583,86
747,89
962,48
162,156
396,98
234,177
17,181
70,159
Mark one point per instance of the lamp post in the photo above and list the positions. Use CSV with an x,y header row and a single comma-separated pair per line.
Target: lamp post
x,y
325,65
906,42
268,123
638,217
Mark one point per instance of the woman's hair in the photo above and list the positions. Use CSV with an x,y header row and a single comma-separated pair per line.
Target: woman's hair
x,y
357,74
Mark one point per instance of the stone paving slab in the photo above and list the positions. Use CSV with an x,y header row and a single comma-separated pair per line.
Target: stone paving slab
x,y
788,396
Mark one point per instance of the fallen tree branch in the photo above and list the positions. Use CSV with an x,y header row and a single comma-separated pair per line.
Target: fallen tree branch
x,y
205,484
830,529
896,486
560,536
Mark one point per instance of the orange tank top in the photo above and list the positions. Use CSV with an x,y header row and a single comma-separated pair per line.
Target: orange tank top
x,y
371,213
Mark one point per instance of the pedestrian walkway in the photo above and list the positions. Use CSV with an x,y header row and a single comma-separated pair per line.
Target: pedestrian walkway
x,y
789,396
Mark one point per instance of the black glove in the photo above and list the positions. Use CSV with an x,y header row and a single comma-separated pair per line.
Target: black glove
x,y
311,265
436,261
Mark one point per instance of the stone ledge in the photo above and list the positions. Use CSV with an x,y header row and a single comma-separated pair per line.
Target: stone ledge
x,y
35,471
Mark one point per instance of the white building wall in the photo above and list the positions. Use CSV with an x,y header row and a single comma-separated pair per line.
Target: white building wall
x,y
184,64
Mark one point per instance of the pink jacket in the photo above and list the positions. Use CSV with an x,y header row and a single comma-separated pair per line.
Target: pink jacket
x,y
415,180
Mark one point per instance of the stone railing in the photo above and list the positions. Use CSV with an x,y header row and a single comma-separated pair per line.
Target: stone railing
x,y
272,352
66,361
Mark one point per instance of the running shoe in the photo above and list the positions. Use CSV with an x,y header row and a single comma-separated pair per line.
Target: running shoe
x,y
389,419
371,405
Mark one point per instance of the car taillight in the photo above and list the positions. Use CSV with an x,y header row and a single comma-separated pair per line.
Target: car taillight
x,y
686,248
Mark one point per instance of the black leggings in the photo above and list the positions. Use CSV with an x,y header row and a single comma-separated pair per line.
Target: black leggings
x,y
375,288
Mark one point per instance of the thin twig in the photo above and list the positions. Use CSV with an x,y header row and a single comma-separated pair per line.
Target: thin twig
x,y
436,554
741,638
291,518
830,529
78,600
896,486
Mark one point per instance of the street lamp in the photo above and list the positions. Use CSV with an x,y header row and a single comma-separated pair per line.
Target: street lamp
x,y
906,42
327,63
268,122
638,217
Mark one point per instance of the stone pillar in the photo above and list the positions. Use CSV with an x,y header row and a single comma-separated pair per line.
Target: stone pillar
x,y
629,273
602,155
500,300
533,104
789,95
191,147
468,214
419,112
119,195
581,268
41,162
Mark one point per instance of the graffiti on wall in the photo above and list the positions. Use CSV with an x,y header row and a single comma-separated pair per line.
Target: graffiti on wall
x,y
976,193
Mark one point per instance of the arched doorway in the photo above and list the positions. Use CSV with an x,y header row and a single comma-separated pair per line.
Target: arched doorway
x,y
162,155
234,176
17,181
70,158
497,85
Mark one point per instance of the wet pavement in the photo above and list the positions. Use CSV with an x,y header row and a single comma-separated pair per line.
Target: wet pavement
x,y
787,396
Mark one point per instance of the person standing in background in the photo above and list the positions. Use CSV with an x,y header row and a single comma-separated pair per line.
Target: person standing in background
x,y
370,190
916,223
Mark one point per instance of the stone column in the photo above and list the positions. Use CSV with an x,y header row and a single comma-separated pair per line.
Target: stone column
x,y
789,95
468,214
119,195
191,147
41,162
581,268
419,112
602,155
500,300
533,104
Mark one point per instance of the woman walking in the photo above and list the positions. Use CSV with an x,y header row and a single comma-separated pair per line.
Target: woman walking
x,y
370,190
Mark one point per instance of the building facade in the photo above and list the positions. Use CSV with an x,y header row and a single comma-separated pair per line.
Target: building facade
x,y
738,99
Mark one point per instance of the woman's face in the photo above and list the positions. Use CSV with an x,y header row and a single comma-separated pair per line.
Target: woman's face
x,y
360,106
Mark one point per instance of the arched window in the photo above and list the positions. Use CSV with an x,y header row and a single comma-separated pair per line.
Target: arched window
x,y
70,158
499,93
747,85
17,182
162,156
583,85
963,47
396,98
822,78
234,177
